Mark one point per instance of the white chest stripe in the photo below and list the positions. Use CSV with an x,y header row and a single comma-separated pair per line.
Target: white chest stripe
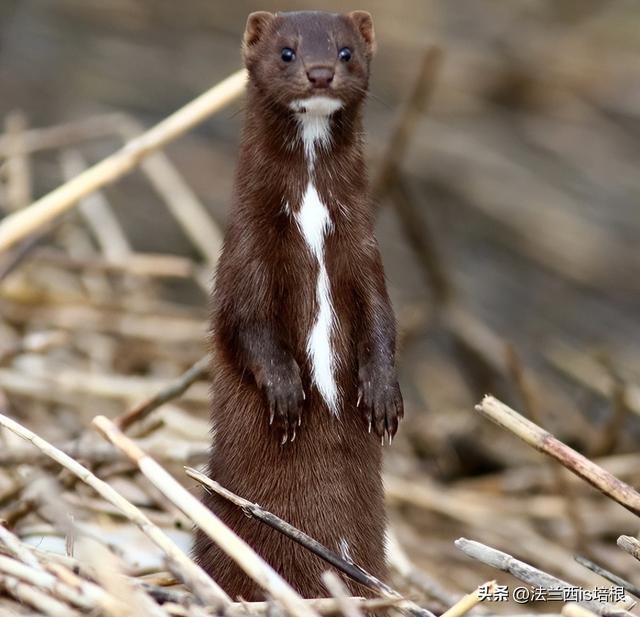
x,y
315,222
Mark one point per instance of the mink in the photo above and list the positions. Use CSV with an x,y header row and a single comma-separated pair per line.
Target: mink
x,y
304,391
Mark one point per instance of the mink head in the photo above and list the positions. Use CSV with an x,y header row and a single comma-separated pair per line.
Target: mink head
x,y
309,56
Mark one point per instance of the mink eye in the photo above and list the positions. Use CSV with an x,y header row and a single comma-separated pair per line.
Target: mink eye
x,y
287,54
344,54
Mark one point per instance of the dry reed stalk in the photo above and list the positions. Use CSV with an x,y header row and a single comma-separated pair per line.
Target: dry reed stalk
x,y
30,219
407,120
544,442
179,197
96,211
572,609
323,606
18,170
103,454
18,549
630,545
35,342
466,603
176,388
590,374
525,572
109,574
608,575
620,410
337,589
82,594
151,265
62,135
35,598
205,587
82,383
252,564
399,562
352,570
532,409
163,329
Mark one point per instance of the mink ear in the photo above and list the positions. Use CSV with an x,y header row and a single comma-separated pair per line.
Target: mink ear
x,y
364,24
257,23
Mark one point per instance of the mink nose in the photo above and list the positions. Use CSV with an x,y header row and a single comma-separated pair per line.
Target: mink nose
x,y
320,76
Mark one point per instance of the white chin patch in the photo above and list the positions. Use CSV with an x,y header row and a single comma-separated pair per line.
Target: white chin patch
x,y
316,105
313,116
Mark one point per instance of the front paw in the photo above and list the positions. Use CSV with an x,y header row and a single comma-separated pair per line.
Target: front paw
x,y
283,389
380,400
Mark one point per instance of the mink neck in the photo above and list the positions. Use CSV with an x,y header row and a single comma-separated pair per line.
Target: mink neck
x,y
274,129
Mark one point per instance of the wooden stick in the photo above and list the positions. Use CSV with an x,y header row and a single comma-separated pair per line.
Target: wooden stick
x,y
18,168
351,569
62,135
32,596
324,606
86,595
207,589
521,570
630,545
182,453
179,197
72,383
466,603
138,264
610,576
18,550
21,252
505,562
421,238
252,564
108,569
399,562
96,211
573,609
590,374
544,442
407,120
531,407
172,390
22,223
160,329
36,342
337,589
613,428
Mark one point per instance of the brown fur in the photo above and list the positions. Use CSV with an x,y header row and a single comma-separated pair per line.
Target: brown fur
x,y
326,478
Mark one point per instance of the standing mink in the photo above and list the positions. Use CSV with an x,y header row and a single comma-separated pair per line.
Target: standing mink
x,y
303,335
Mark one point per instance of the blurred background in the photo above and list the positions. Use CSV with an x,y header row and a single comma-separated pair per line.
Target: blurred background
x,y
504,144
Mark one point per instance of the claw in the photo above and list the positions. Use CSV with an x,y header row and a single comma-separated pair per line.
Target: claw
x,y
299,420
293,436
358,405
271,415
284,439
369,424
